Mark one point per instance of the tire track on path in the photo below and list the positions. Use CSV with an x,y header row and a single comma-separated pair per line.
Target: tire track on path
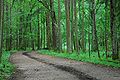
x,y
71,70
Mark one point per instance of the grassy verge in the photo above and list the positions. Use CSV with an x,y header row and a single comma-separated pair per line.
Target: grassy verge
x,y
6,68
84,57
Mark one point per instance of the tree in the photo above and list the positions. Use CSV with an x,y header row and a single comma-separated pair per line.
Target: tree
x,y
113,30
54,26
39,44
83,32
48,30
7,29
94,31
72,27
79,23
118,25
88,26
1,26
68,36
89,29
59,27
75,26
106,25
10,42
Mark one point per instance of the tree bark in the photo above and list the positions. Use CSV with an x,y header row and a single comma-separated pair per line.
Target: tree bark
x,y
39,45
59,27
79,23
94,31
113,30
76,27
83,31
7,29
68,32
10,41
106,25
48,31
54,28
1,26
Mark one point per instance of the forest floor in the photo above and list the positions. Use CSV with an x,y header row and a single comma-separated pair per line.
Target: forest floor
x,y
33,66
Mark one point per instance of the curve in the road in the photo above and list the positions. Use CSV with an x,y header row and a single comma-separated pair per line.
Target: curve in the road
x,y
71,70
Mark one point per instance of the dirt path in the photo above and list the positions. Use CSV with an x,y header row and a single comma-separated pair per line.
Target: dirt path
x,y
32,66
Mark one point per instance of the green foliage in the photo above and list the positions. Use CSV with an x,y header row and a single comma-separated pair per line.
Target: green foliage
x,y
21,29
84,57
6,68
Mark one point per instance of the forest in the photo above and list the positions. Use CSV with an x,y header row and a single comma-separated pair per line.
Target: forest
x,y
89,27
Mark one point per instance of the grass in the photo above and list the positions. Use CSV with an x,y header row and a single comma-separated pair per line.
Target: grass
x,y
85,58
6,68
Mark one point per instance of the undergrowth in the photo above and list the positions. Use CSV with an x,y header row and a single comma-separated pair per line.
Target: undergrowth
x,y
6,68
84,57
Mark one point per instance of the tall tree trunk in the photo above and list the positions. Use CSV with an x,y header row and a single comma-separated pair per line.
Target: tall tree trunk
x,y
25,35
31,37
41,41
89,41
44,34
48,30
76,27
106,25
95,38
10,43
68,32
27,25
39,45
7,29
113,30
54,28
1,26
72,27
89,29
118,26
79,23
83,31
59,27
20,33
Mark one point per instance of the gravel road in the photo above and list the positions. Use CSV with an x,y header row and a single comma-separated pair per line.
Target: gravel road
x,y
33,66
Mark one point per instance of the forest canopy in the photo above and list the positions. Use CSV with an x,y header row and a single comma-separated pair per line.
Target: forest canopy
x,y
61,25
